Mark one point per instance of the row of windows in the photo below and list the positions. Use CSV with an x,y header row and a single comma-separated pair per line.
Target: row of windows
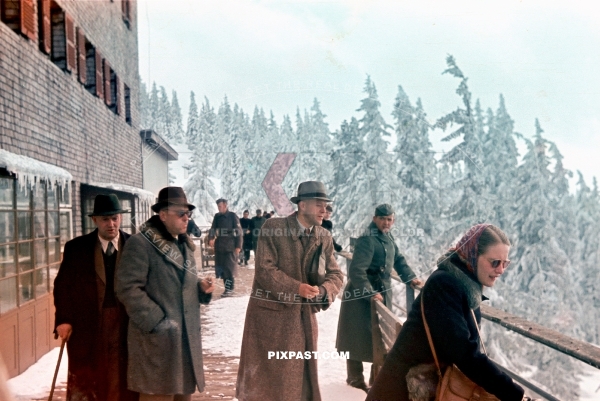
x,y
68,47
35,223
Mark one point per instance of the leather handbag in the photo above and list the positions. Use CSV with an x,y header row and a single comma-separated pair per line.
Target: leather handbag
x,y
454,385
316,269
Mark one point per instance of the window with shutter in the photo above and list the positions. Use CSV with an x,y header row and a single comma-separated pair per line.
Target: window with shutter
x,y
44,26
126,9
107,94
127,101
99,75
71,49
58,53
81,55
28,18
90,64
117,98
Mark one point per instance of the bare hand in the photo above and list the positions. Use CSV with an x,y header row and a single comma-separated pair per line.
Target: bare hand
x,y
64,331
378,297
237,250
207,285
211,243
308,291
416,282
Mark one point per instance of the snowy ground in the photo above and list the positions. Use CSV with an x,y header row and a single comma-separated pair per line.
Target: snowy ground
x,y
35,382
223,334
226,317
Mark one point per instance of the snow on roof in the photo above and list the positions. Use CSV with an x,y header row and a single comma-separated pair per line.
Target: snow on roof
x,y
143,194
31,170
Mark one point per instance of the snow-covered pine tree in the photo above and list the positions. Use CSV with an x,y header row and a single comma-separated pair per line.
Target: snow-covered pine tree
x,y
376,172
473,202
175,121
200,138
289,144
416,194
144,107
538,285
588,226
224,148
349,162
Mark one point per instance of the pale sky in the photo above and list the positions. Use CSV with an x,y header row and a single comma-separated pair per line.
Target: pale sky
x,y
543,56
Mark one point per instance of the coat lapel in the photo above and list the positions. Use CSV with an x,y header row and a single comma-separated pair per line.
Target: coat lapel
x,y
99,261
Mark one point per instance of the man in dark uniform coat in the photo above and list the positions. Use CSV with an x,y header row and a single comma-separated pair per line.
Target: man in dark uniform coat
x,y
369,276
88,315
257,222
226,236
246,224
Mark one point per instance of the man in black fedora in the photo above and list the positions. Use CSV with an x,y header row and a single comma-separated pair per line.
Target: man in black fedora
x,y
286,296
158,283
226,236
88,314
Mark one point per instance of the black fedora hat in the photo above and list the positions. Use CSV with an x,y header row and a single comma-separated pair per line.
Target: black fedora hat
x,y
107,205
171,196
311,190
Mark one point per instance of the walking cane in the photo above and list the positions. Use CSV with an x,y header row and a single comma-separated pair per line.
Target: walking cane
x,y
62,348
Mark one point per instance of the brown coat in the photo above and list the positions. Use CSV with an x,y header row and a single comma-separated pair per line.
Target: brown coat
x,y
277,318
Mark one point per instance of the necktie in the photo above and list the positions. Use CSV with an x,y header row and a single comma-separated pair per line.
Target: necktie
x,y
109,249
305,237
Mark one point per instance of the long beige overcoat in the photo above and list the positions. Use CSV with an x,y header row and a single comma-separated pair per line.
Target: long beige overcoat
x,y
278,319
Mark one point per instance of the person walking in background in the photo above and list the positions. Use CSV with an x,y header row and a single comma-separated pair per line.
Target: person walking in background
x,y
193,229
158,283
328,225
89,317
226,237
257,223
285,298
369,276
246,224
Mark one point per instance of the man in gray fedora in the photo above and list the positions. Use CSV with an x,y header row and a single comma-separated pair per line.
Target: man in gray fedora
x,y
158,283
88,314
285,298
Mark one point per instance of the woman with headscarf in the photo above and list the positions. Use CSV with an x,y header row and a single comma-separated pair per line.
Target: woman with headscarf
x,y
449,296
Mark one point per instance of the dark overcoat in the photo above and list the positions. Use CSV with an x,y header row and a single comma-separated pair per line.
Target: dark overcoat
x,y
257,223
228,232
79,290
246,225
374,257
277,318
161,291
449,295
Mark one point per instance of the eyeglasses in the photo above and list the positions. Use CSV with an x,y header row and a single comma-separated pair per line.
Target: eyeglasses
x,y
497,262
181,213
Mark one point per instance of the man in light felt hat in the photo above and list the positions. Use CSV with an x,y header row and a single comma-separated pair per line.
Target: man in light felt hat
x,y
284,301
369,276
88,314
158,283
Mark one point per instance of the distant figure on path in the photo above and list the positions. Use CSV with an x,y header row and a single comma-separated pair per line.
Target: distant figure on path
x,y
226,236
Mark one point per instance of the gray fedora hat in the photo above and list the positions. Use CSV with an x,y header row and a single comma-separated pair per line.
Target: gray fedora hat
x,y
311,190
107,205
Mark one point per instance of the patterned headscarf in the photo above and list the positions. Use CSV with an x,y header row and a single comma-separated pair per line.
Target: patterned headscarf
x,y
467,246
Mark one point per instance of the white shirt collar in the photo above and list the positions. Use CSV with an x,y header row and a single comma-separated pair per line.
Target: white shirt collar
x,y
304,228
104,242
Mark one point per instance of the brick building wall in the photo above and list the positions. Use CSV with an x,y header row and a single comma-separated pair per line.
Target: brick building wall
x,y
47,114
